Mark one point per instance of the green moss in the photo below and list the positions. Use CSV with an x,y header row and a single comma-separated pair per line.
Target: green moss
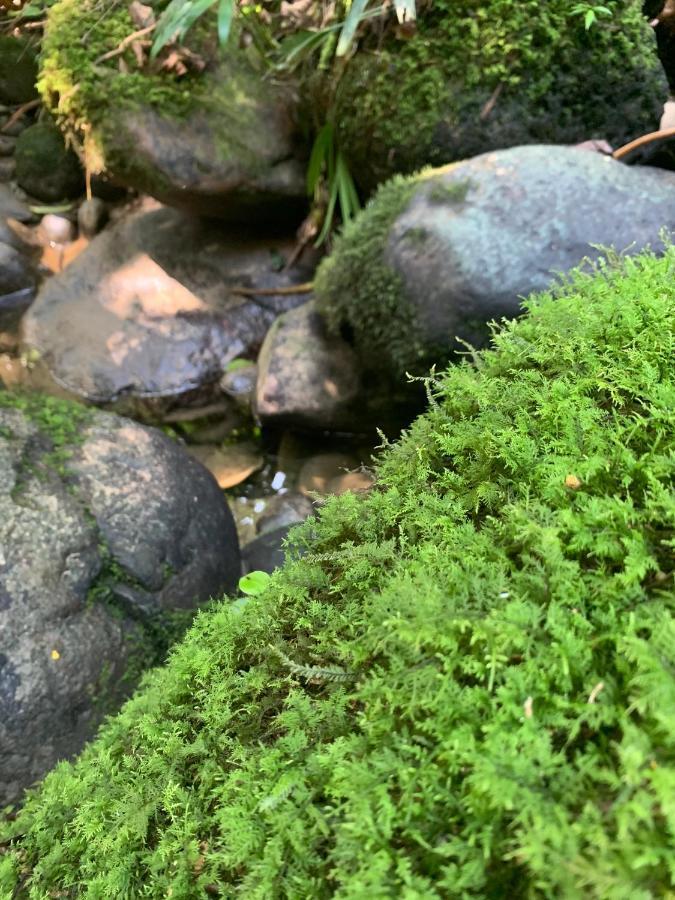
x,y
464,687
356,285
412,103
45,167
374,304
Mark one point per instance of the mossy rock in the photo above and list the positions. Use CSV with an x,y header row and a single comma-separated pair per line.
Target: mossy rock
x,y
486,74
18,70
45,167
110,538
436,257
219,143
464,686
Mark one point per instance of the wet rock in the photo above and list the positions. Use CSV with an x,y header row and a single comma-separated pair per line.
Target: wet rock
x,y
229,465
147,311
468,242
56,229
94,552
16,271
266,552
7,145
18,70
45,168
356,482
92,216
284,510
7,169
306,377
240,383
11,207
320,471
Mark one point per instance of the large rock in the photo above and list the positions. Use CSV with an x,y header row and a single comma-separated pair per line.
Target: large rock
x,y
219,143
18,70
146,311
45,167
437,257
477,77
98,552
305,376
17,289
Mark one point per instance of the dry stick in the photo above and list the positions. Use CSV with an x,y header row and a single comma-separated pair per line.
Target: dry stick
x,y
21,111
639,142
305,288
490,105
122,46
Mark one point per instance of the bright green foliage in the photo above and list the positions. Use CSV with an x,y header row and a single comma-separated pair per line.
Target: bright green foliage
x,y
464,688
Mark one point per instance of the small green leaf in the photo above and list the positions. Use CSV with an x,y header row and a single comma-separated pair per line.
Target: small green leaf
x,y
320,153
254,583
225,15
352,22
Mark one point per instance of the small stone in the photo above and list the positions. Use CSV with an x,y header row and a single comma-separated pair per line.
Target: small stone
x,y
56,229
239,383
228,465
285,510
6,145
318,472
92,216
306,377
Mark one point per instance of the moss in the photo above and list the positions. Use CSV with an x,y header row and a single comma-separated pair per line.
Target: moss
x,y
91,98
45,167
463,685
344,294
356,285
551,81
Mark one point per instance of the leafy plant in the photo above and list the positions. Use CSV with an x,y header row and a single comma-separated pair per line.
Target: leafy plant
x,y
591,12
327,163
181,15
254,584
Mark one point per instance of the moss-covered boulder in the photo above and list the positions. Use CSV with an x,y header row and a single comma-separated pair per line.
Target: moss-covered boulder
x,y
45,167
464,687
18,70
220,141
485,74
110,537
436,257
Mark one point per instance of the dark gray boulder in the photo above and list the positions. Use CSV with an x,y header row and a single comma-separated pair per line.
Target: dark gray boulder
x,y
438,256
45,167
147,311
100,551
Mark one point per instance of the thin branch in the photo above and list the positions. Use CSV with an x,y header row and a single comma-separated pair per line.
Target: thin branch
x,y
21,111
128,40
306,288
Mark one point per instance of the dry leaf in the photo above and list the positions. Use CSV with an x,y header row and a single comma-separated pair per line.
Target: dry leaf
x,y
141,15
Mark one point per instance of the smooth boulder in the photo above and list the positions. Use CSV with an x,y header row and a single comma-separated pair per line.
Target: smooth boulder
x,y
437,257
148,311
45,167
108,530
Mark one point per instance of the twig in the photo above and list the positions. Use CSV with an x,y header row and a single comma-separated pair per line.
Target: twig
x,y
641,141
306,288
21,111
122,46
490,105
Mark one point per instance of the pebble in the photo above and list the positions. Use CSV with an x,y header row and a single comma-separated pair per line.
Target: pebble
x,y
228,465
318,472
55,229
92,216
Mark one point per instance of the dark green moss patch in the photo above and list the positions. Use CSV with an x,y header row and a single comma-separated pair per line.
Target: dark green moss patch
x,y
18,70
464,687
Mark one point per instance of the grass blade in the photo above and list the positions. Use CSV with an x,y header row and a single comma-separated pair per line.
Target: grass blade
x,y
352,22
225,16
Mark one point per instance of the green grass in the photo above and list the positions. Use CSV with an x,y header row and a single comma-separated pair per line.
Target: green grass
x,y
464,688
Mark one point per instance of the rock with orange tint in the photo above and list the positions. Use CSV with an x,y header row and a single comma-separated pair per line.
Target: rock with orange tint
x,y
98,551
306,377
148,312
